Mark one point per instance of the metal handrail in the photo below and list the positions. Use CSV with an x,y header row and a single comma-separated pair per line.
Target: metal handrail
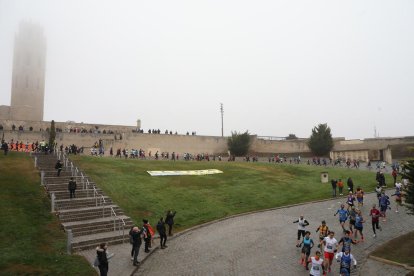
x,y
121,220
83,181
87,187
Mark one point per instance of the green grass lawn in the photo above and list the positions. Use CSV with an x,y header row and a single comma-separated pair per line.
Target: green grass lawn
x,y
31,241
399,250
241,188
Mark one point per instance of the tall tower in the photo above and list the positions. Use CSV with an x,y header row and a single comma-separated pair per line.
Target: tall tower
x,y
28,79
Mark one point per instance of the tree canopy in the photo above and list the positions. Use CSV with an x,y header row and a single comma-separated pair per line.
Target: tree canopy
x,y
239,143
320,141
408,173
52,135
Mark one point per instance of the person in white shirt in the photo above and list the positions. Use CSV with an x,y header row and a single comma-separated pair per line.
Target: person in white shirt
x,y
329,250
316,263
302,223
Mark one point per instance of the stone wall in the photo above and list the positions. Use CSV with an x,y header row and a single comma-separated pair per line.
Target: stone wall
x,y
355,149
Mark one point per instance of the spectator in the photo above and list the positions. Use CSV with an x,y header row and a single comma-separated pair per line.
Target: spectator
x,y
58,167
169,219
163,233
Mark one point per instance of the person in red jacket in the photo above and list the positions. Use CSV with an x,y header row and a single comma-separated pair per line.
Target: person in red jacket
x,y
375,215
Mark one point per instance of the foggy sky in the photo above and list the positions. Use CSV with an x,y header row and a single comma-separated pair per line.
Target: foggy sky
x,y
278,67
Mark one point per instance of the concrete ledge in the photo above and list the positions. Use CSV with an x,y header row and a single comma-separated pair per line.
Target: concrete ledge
x,y
385,261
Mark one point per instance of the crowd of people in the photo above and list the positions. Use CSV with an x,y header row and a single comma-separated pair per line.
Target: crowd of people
x,y
351,218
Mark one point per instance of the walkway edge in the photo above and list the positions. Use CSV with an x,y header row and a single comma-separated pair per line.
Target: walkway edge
x,y
385,261
235,216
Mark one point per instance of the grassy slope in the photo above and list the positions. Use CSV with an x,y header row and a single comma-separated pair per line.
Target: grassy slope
x,y
31,242
398,250
242,187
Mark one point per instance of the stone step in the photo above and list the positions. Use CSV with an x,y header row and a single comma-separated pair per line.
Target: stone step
x,y
88,213
92,241
79,193
53,173
98,225
64,187
62,179
81,202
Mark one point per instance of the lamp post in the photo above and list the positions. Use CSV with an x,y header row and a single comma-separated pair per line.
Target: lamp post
x,y
222,112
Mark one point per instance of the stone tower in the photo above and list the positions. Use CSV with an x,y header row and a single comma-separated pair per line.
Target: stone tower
x,y
28,78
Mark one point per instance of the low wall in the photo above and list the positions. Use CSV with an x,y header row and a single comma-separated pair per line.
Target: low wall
x,y
183,143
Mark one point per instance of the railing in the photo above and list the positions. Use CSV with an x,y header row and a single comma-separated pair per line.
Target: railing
x,y
121,223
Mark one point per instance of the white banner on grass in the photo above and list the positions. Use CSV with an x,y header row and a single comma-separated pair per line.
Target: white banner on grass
x,y
194,172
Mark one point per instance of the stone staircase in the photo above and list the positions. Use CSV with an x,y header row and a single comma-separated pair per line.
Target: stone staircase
x,y
91,215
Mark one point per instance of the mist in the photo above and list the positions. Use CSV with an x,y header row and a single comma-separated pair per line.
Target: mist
x,y
278,67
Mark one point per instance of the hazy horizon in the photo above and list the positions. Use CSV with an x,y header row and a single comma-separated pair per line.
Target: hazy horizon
x,y
279,67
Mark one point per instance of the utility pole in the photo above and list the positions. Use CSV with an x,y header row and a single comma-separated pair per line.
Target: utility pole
x,y
222,112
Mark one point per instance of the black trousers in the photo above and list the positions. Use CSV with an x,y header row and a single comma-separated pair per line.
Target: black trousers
x,y
103,269
163,239
170,226
147,244
72,193
375,225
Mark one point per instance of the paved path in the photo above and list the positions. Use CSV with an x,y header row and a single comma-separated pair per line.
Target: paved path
x,y
256,244
264,243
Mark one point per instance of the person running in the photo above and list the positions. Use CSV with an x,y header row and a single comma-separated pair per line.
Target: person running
x,y
345,259
343,216
350,200
398,199
323,230
359,220
378,190
352,216
330,244
306,249
316,263
360,197
384,203
375,215
346,241
302,223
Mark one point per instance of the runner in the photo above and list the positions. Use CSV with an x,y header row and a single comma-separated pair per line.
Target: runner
x,y
345,259
378,190
350,200
346,241
323,230
302,223
352,216
330,248
375,214
384,203
360,197
359,220
343,216
306,249
316,264
398,198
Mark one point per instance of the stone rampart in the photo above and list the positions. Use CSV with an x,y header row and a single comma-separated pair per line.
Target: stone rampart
x,y
126,137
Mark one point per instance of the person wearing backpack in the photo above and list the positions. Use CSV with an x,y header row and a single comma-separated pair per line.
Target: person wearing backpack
x,y
148,233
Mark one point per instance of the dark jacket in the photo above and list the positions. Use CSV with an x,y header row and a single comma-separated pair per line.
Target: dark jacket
x,y
58,165
136,238
101,253
333,182
170,218
161,228
72,185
